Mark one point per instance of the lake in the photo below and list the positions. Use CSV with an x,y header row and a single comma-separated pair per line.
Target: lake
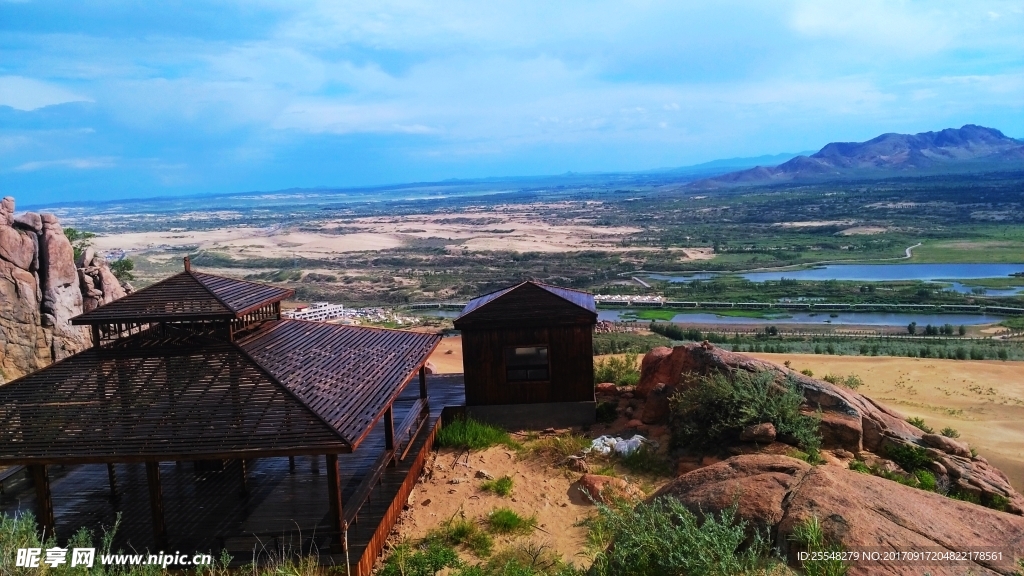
x,y
876,273
842,318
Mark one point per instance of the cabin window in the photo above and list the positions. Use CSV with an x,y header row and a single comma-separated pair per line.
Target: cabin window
x,y
526,363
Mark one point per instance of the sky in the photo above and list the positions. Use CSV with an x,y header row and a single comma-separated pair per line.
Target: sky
x,y
108,100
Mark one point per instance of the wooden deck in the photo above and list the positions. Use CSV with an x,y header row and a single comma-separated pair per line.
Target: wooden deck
x,y
279,512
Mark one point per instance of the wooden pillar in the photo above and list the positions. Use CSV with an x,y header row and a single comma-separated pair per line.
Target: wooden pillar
x,y
156,504
315,464
334,496
389,433
291,464
112,476
423,381
44,499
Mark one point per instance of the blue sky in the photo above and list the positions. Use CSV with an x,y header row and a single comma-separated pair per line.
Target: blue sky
x,y
103,100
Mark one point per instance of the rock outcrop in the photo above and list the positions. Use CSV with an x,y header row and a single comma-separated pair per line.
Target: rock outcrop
x,y
41,290
849,421
776,493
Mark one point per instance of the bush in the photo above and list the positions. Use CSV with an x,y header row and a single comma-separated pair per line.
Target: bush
x,y
663,537
500,486
807,372
426,560
606,412
620,343
858,466
910,458
926,480
620,370
462,532
851,381
507,521
718,407
647,461
809,536
471,434
920,425
949,432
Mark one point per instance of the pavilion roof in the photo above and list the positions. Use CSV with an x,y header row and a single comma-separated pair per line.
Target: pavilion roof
x,y
188,295
291,388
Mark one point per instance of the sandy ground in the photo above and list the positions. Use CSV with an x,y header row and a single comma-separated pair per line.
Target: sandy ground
x,y
447,357
520,228
983,400
863,230
451,489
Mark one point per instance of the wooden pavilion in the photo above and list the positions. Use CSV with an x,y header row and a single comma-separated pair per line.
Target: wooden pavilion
x,y
203,368
528,356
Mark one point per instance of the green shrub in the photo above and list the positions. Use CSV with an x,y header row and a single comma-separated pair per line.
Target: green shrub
x,y
909,457
807,372
620,370
621,342
926,480
471,434
462,532
920,425
507,521
851,381
524,559
858,466
500,486
809,535
646,460
425,560
715,410
665,538
607,412
949,432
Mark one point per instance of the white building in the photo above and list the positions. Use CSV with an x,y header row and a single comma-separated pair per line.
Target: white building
x,y
317,311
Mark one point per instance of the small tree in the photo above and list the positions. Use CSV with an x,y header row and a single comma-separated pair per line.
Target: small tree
x,y
912,328
963,330
80,240
122,269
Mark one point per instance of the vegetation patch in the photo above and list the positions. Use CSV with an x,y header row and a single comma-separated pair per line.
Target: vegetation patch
x,y
500,486
918,423
809,537
623,342
909,457
470,434
507,521
606,412
621,370
560,446
714,411
851,381
646,460
462,532
663,537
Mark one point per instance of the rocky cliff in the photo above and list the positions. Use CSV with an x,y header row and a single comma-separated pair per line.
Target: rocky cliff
x,y
41,289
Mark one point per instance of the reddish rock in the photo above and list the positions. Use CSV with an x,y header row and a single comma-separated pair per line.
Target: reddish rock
x,y
30,222
637,425
18,247
607,389
757,484
606,488
947,445
661,365
777,493
7,211
763,433
687,465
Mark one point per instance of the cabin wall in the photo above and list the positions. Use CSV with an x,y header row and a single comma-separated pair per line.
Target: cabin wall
x,y
570,359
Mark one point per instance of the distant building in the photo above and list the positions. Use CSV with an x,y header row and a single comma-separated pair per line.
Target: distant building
x,y
528,356
317,312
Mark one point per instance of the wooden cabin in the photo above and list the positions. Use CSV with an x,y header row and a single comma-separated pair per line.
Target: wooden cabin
x,y
528,356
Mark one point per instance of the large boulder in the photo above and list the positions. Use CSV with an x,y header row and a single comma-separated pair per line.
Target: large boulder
x,y
849,421
24,343
775,494
62,297
18,247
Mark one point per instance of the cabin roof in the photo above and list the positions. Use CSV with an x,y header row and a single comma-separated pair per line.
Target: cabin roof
x,y
584,300
292,387
188,295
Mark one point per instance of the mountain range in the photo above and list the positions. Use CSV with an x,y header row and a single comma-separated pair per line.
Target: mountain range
x,y
967,149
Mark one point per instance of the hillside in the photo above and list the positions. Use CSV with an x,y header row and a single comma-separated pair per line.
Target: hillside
x,y
970,148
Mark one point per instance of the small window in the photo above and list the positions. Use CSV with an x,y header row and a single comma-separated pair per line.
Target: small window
x,y
526,363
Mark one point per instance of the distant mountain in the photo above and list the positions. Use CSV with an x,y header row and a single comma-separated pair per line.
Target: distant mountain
x,y
728,164
971,148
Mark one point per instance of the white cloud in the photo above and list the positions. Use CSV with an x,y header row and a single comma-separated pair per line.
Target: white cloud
x,y
73,163
23,93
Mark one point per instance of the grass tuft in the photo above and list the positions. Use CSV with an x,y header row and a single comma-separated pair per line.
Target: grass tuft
x,y
462,532
471,434
949,432
809,535
500,486
507,521
920,425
